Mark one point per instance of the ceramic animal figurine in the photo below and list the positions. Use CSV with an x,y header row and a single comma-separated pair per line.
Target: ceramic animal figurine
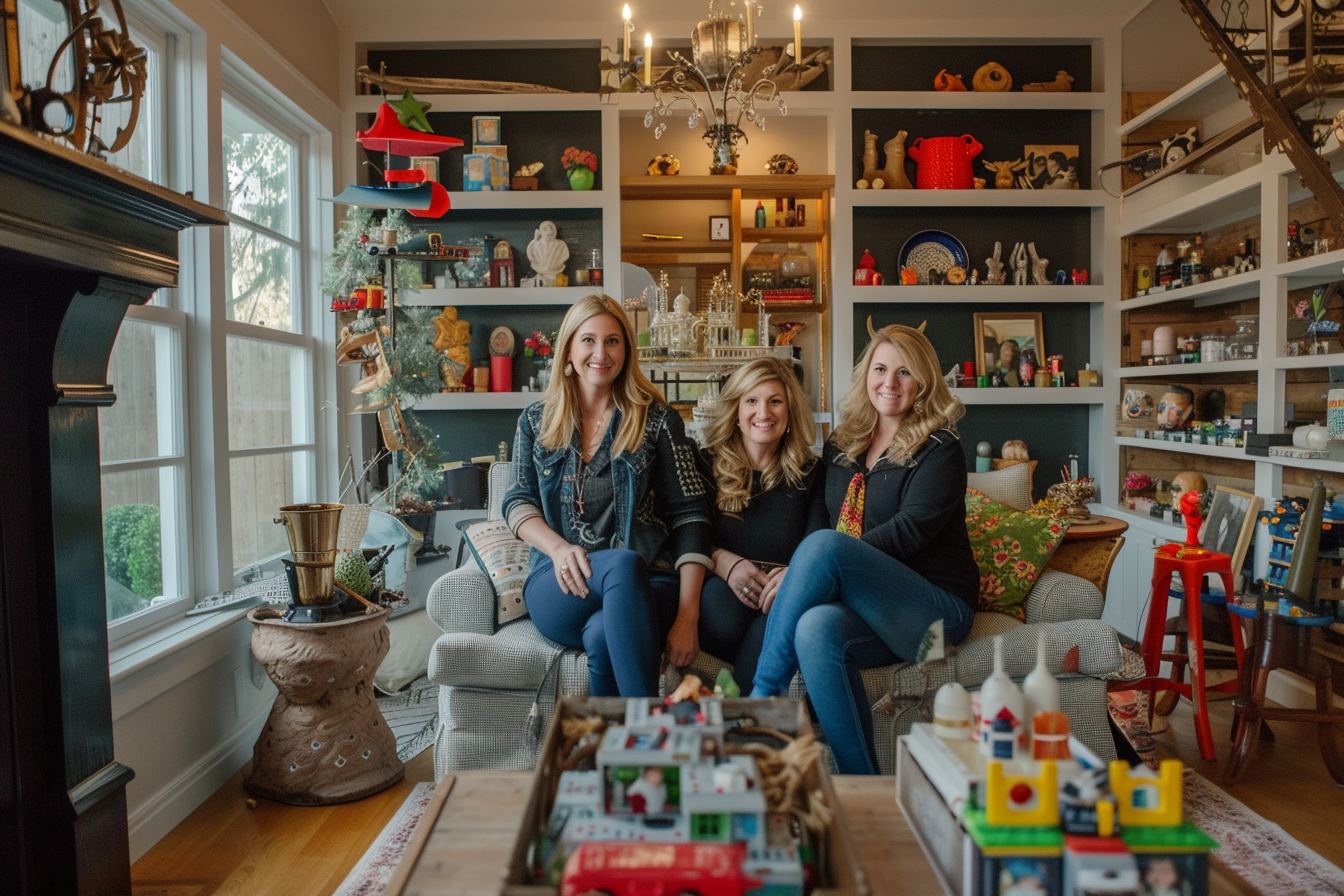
x,y
893,175
992,78
1063,83
870,170
1018,259
994,265
950,83
1038,266
1003,172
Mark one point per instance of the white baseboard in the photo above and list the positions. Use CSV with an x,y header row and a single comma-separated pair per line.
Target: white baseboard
x,y
151,821
1294,691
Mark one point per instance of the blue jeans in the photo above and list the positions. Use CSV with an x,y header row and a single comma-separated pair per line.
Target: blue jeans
x,y
730,630
621,624
846,606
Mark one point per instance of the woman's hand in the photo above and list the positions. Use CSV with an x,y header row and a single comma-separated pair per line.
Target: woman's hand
x,y
572,569
771,589
683,642
747,582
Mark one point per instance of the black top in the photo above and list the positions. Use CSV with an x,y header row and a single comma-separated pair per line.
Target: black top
x,y
595,499
773,523
915,513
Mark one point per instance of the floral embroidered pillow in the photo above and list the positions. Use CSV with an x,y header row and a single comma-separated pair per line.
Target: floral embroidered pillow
x,y
1011,549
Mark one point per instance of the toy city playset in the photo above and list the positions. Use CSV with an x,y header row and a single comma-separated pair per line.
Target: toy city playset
x,y
712,796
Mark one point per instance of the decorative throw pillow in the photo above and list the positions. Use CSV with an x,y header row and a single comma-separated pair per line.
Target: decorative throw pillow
x,y
504,557
1011,549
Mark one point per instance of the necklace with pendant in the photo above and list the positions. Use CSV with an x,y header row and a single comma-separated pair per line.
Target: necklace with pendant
x,y
582,478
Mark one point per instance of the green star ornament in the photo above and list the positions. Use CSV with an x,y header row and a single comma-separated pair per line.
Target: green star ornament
x,y
411,112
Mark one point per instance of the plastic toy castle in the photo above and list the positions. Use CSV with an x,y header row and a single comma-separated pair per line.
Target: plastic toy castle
x,y
664,777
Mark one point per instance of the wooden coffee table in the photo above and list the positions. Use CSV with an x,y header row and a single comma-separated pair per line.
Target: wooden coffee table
x,y
464,843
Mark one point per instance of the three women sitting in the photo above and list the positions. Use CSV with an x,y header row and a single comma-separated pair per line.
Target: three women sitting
x,y
827,566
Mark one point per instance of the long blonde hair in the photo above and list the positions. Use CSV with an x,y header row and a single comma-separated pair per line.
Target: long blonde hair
x,y
793,457
632,390
935,406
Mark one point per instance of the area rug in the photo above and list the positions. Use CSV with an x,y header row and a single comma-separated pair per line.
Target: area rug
x,y
1258,851
413,715
375,868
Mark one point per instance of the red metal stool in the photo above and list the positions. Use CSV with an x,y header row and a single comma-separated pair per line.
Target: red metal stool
x,y
1192,565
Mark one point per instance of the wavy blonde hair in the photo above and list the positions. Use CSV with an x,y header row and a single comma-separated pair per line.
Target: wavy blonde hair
x,y
632,390
793,456
935,406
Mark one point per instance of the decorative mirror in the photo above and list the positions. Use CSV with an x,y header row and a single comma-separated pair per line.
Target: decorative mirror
x,y
61,63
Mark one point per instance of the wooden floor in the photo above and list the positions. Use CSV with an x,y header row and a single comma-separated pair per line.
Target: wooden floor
x,y
227,847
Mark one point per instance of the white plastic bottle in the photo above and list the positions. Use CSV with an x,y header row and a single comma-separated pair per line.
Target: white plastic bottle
x,y
999,692
1040,688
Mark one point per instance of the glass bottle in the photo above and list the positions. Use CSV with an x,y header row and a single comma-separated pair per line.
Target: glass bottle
x,y
502,453
760,213
1294,242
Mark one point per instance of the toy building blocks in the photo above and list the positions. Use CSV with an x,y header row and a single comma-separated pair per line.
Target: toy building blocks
x,y
664,778
1057,827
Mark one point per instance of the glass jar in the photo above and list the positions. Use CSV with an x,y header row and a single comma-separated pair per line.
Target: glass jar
x,y
1213,347
796,268
761,271
1245,343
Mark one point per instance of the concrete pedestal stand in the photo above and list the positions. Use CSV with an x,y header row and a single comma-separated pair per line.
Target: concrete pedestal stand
x,y
325,740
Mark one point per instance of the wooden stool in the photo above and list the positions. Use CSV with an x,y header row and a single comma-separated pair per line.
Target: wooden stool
x,y
1293,644
1191,564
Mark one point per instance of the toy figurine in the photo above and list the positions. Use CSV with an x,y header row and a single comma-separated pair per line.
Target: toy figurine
x,y
948,83
1190,510
1018,259
994,265
1003,172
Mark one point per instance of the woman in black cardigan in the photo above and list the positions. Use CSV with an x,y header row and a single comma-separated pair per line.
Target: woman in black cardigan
x,y
898,560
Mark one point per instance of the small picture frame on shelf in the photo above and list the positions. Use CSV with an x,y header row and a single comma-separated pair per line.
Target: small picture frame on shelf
x,y
429,165
1002,338
485,130
720,227
1050,166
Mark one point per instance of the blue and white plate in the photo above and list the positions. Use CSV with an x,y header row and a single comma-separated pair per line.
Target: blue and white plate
x,y
932,249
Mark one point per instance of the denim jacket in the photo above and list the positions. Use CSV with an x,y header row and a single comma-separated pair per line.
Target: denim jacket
x,y
662,502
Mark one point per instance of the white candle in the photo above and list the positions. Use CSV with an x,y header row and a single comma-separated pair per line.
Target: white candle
x,y
625,44
797,34
648,59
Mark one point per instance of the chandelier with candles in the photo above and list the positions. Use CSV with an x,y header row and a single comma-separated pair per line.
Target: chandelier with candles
x,y
715,86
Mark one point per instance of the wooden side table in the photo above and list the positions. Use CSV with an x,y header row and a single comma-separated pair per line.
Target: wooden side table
x,y
1089,550
325,740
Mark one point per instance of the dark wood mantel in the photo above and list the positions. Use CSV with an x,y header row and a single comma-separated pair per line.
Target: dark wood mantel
x,y
79,243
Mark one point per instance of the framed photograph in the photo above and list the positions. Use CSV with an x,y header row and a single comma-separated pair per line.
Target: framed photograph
x,y
427,164
1049,167
485,129
720,227
1001,338
1230,524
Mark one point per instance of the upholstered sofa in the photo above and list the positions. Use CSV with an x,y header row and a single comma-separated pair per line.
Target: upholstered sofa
x,y
490,681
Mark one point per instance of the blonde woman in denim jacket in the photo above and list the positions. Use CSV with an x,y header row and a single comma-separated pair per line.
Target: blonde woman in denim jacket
x,y
607,492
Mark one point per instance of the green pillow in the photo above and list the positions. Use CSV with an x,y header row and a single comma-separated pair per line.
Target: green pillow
x,y
1011,549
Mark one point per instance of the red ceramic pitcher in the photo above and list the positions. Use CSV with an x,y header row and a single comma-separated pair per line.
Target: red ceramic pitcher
x,y
944,163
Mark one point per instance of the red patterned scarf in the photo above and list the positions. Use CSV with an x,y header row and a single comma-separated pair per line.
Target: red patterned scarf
x,y
851,512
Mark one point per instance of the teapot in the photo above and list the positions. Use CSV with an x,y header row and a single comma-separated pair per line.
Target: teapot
x,y
944,162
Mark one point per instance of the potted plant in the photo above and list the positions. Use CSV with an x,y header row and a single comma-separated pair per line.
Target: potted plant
x,y
580,168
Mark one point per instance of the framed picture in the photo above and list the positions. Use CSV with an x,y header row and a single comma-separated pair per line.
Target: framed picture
x,y
1230,524
1001,338
485,129
427,164
720,227
1049,167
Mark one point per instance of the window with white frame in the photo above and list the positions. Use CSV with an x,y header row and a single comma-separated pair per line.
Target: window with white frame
x,y
271,441
142,437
